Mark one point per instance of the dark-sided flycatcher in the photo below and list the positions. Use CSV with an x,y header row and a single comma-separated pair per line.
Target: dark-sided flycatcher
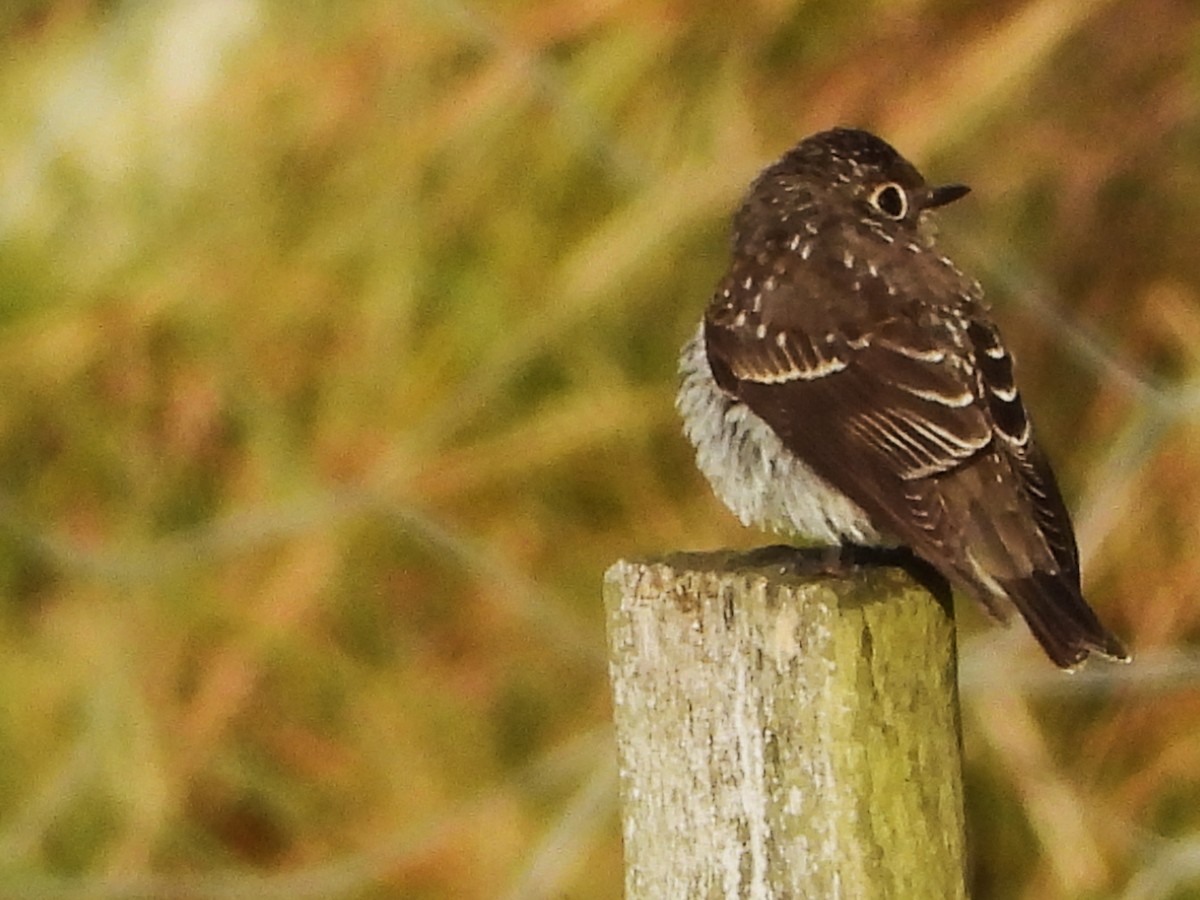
x,y
848,386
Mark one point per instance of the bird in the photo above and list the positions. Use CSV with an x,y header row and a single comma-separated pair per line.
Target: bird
x,y
848,386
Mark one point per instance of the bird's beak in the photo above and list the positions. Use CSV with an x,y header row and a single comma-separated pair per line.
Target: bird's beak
x,y
946,193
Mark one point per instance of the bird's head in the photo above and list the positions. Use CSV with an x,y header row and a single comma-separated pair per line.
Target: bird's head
x,y
852,173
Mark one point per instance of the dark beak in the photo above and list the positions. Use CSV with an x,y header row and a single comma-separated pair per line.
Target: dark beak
x,y
946,193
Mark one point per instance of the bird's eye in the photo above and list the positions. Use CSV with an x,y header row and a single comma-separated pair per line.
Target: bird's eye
x,y
890,200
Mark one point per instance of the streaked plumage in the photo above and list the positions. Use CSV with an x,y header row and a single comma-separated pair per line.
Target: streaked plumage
x,y
848,385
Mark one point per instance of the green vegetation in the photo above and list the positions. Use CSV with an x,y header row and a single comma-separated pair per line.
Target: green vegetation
x,y
337,360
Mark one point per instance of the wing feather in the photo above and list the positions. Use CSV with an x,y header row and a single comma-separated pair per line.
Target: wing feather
x,y
915,415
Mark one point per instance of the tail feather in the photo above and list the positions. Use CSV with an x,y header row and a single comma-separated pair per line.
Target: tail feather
x,y
1061,620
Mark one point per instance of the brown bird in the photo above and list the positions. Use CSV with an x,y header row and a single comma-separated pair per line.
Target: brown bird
x,y
847,385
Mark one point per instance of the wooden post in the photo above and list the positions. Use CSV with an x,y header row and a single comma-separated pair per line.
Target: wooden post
x,y
782,734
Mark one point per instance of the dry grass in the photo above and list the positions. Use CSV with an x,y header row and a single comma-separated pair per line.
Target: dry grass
x,y
337,344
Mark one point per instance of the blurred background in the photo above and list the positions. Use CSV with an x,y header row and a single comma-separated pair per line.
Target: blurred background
x,y
337,351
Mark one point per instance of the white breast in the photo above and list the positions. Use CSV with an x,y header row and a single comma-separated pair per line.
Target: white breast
x,y
750,469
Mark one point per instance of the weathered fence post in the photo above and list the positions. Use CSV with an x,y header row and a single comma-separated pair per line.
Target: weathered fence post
x,y
784,735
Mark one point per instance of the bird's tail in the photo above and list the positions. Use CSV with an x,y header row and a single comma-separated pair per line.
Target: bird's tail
x,y
1061,620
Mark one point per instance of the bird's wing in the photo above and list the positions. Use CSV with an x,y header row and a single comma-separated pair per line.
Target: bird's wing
x,y
914,415
872,406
